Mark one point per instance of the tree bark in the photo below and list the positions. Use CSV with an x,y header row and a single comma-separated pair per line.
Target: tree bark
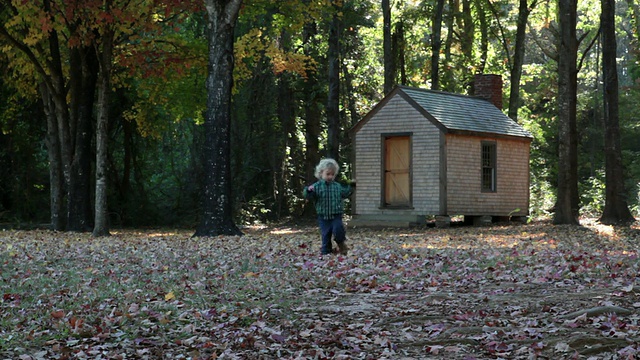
x,y
83,78
389,66
567,206
311,109
398,50
217,217
518,58
484,36
56,178
333,97
467,37
616,209
101,218
448,44
436,45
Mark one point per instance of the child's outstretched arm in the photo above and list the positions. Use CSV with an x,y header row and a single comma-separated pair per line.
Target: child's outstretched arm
x,y
308,192
347,189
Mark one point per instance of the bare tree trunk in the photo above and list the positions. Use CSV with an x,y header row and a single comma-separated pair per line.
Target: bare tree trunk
x,y
518,58
398,50
83,78
333,97
467,38
286,113
567,207
311,110
616,209
217,217
436,45
101,219
448,44
56,178
484,36
389,66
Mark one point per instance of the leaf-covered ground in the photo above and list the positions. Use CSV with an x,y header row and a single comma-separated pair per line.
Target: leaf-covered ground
x,y
533,291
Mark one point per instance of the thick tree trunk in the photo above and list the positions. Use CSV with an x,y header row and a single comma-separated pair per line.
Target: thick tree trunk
x,y
333,96
449,83
616,209
567,207
484,36
398,50
217,217
311,110
436,45
84,75
389,66
518,58
286,113
56,178
101,217
467,37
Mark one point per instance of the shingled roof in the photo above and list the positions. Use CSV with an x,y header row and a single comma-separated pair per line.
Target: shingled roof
x,y
455,113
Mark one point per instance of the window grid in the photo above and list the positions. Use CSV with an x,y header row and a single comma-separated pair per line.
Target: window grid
x,y
489,166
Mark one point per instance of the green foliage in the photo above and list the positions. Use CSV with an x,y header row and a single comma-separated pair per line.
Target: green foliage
x,y
592,195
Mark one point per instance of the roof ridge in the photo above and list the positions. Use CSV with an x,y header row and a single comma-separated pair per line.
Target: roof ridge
x,y
406,87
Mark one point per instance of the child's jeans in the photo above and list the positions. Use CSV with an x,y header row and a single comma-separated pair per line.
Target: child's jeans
x,y
328,228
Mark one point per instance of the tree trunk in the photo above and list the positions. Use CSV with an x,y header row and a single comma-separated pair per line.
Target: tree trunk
x,y
398,50
217,217
436,45
83,78
333,97
56,178
567,207
101,224
286,113
311,109
467,38
484,36
616,209
518,58
389,66
449,84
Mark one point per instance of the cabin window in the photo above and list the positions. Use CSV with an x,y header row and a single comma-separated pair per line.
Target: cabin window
x,y
488,166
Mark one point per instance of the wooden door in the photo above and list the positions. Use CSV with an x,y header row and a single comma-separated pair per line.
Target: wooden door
x,y
397,171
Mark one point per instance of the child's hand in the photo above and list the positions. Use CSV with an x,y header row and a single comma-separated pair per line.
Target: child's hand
x,y
310,188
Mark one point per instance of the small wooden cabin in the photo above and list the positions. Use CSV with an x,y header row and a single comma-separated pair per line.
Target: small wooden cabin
x,y
421,152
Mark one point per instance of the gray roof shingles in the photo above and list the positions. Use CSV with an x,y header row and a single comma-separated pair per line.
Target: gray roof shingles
x,y
465,113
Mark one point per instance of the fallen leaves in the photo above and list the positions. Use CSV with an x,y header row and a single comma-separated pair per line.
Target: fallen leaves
x,y
517,292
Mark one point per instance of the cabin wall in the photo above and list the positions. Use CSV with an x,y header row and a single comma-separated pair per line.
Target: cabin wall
x,y
464,169
397,117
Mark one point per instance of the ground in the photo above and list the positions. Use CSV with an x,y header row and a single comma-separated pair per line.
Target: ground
x,y
508,291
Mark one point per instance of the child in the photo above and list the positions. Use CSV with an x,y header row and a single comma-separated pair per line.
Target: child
x,y
328,195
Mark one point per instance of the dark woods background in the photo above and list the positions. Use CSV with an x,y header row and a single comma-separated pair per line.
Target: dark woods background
x,y
281,99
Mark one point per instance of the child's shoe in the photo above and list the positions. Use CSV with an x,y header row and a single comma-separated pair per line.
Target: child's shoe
x,y
343,248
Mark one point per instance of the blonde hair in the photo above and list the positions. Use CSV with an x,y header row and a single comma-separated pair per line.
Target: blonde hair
x,y
325,164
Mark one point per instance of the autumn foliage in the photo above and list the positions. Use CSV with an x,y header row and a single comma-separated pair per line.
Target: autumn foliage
x,y
510,291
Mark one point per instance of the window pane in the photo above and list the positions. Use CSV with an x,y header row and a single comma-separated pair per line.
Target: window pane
x,y
488,167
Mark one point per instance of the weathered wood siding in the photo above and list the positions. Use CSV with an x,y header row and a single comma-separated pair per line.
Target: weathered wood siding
x,y
397,117
464,196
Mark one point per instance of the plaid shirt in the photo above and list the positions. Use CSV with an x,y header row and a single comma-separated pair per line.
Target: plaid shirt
x,y
328,197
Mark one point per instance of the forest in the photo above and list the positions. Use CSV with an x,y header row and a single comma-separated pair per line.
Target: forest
x,y
112,95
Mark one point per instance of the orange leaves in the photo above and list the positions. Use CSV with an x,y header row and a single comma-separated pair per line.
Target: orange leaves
x,y
58,314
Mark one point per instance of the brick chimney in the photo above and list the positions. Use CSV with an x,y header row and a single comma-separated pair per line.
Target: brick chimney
x,y
489,86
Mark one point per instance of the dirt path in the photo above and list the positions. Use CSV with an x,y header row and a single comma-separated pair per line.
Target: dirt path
x,y
516,322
